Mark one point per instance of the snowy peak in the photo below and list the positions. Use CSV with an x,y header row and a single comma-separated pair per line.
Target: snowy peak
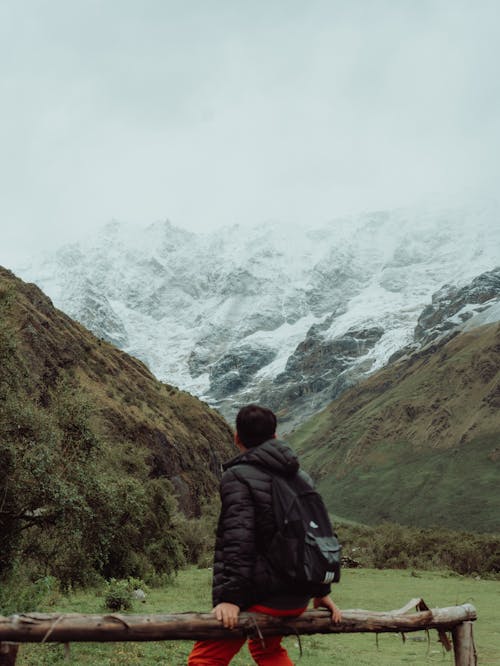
x,y
275,313
452,306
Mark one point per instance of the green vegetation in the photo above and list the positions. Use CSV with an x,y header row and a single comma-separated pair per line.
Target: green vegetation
x,y
454,488
65,510
416,443
391,546
360,588
100,464
385,546
119,594
96,455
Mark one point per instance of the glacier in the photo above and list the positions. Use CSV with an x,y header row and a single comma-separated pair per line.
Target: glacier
x,y
286,314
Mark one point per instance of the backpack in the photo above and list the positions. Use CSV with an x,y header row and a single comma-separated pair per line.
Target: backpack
x,y
305,548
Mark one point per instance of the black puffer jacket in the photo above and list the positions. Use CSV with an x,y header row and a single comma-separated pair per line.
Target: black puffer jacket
x,y
242,575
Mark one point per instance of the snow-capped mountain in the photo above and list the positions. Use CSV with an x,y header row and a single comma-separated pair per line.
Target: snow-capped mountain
x,y
279,314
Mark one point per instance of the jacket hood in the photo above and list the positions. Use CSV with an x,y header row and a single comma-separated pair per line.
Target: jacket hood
x,y
274,456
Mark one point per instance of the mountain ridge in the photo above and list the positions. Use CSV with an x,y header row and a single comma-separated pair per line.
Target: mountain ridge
x,y
286,315
417,441
96,454
130,403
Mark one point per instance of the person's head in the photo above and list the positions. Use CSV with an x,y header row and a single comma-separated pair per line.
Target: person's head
x,y
255,425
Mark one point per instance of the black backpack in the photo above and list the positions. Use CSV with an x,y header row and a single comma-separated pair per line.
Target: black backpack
x,y
305,548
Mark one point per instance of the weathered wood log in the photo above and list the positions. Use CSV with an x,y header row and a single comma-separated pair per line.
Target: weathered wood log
x,y
40,627
8,654
463,645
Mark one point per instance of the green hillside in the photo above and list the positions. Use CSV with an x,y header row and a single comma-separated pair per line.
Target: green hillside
x,y
418,442
95,453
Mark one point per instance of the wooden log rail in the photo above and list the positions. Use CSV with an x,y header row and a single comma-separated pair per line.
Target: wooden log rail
x,y
70,627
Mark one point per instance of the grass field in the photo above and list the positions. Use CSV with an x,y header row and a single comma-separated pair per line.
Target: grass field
x,y
360,588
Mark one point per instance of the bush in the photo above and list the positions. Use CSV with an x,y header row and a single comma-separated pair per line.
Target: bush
x,y
390,546
119,594
197,535
20,594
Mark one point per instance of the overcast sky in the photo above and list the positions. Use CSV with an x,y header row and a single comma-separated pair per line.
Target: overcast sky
x,y
216,112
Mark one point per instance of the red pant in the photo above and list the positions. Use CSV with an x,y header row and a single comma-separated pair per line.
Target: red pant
x,y
220,652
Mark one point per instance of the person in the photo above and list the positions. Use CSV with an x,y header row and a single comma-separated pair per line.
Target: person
x,y
242,577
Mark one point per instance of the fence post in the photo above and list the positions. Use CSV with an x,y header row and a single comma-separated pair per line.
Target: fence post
x,y
463,645
8,654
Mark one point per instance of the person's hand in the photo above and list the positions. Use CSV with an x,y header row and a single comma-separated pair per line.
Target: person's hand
x,y
227,614
327,602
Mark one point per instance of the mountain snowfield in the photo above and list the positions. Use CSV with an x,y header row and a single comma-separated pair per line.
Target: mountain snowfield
x,y
278,313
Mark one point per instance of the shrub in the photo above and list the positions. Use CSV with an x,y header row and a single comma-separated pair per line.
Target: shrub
x,y
390,546
20,594
197,535
118,595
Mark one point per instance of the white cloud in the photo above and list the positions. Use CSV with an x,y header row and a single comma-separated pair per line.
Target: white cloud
x,y
228,111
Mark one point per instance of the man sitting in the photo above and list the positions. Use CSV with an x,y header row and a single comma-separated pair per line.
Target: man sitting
x,y
243,579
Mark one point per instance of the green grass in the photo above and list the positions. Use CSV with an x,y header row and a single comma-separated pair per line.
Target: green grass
x,y
416,442
398,484
360,588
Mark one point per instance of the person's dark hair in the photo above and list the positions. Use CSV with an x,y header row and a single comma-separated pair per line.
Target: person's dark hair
x,y
255,425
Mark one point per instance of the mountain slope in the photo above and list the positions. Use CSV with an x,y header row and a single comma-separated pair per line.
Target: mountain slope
x,y
92,447
286,315
417,442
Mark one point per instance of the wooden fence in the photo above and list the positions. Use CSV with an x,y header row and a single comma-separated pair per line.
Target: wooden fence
x,y
72,627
